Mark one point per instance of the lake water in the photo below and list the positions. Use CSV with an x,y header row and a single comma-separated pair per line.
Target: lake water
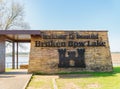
x,y
21,60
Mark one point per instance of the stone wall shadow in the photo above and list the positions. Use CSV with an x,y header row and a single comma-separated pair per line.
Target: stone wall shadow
x,y
115,71
67,76
6,76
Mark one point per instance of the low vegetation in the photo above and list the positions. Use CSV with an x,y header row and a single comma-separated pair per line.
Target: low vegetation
x,y
8,69
84,80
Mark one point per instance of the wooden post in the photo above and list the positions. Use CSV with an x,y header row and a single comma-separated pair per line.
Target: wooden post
x,y
13,55
17,57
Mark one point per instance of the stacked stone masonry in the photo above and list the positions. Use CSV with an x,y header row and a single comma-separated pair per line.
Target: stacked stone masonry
x,y
45,57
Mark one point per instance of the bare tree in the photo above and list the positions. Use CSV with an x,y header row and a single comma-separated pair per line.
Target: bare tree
x,y
11,16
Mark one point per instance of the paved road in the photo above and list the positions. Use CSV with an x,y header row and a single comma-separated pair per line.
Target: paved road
x,y
16,79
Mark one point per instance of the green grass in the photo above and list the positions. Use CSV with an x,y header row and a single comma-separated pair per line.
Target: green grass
x,y
97,80
8,69
38,82
90,80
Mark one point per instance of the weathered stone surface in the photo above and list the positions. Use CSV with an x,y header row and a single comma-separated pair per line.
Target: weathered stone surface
x,y
46,59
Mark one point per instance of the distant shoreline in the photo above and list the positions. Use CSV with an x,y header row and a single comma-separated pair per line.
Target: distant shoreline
x,y
20,54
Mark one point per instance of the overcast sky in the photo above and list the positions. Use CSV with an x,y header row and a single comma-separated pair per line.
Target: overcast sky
x,y
75,15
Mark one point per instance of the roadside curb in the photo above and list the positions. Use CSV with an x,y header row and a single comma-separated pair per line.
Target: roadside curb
x,y
30,77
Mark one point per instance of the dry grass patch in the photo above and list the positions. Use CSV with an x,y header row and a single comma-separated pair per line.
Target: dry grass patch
x,y
40,82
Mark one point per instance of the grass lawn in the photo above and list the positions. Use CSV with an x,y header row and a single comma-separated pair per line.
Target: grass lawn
x,y
8,69
79,80
40,82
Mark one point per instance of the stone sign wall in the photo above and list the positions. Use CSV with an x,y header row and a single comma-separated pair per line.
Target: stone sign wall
x,y
60,51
